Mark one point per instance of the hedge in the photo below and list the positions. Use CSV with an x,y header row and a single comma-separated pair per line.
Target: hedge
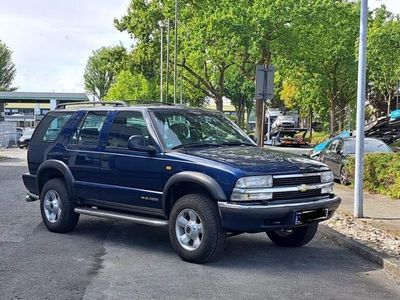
x,y
381,173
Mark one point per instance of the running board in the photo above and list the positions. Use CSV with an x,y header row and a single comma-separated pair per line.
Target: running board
x,y
121,216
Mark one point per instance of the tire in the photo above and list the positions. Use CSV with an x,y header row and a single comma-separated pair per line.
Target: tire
x,y
191,214
56,207
344,177
298,236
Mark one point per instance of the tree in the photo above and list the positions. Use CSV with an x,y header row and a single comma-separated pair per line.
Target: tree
x,y
384,56
7,68
312,39
129,87
320,54
205,53
241,93
102,68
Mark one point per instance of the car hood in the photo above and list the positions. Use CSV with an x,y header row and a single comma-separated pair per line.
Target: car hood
x,y
260,160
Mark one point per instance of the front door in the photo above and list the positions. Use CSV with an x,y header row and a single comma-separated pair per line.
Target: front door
x,y
131,179
332,157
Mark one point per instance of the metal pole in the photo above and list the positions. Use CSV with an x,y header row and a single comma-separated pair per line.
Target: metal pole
x,y
269,130
181,91
167,76
175,48
397,98
359,166
161,64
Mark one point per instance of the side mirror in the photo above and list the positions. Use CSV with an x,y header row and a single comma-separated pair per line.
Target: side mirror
x,y
139,143
340,152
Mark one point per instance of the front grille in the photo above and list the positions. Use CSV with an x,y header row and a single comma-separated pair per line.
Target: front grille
x,y
296,194
285,181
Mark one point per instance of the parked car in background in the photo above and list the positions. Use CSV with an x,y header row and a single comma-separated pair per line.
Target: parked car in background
x,y
316,151
19,131
336,153
25,139
283,122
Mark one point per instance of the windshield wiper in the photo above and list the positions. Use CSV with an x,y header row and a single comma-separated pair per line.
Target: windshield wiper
x,y
237,143
193,145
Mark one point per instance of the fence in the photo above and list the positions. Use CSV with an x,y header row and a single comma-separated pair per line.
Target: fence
x,y
8,134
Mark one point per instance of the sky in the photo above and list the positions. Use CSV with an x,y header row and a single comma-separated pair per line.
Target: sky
x,y
51,40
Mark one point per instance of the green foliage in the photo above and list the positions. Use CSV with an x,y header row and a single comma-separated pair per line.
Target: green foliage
x,y
7,68
241,93
129,87
319,57
313,45
384,55
381,173
102,68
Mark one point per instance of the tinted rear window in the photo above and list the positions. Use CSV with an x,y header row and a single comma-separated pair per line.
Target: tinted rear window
x,y
50,127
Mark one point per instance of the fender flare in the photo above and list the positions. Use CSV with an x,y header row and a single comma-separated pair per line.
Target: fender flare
x,y
63,169
202,179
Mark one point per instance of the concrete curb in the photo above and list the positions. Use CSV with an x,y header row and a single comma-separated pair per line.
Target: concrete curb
x,y
385,262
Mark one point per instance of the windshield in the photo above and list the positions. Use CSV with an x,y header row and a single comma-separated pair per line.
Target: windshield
x,y
370,145
192,128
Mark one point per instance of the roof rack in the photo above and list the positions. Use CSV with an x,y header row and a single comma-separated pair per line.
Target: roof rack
x,y
93,103
147,102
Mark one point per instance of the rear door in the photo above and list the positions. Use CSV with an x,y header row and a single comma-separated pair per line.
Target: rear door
x,y
131,179
83,155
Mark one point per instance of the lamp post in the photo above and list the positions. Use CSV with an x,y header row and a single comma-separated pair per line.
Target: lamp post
x,y
161,24
359,159
175,50
167,75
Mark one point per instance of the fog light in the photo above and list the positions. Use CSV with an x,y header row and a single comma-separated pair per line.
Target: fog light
x,y
327,189
239,195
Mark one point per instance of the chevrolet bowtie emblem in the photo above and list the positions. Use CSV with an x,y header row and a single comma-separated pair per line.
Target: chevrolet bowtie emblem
x,y
303,188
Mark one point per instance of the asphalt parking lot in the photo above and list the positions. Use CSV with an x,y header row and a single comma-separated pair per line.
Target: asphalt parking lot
x,y
104,259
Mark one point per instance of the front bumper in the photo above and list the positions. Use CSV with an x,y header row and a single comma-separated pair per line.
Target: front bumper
x,y
259,218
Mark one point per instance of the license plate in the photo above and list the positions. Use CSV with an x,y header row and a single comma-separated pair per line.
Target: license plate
x,y
307,216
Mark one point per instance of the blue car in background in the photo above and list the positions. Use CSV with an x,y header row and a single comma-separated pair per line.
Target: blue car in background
x,y
322,146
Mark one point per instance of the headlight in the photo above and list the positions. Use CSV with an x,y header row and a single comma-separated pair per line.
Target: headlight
x,y
327,189
326,177
254,182
252,188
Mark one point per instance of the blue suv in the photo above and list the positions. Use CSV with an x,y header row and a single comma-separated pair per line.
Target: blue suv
x,y
190,169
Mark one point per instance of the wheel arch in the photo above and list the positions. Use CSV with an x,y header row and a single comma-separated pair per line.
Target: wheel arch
x,y
189,182
53,168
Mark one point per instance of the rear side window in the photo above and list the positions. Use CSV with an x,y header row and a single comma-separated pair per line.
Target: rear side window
x,y
126,124
88,132
50,127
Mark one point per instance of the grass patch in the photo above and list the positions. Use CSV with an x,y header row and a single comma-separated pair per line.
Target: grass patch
x,y
381,173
